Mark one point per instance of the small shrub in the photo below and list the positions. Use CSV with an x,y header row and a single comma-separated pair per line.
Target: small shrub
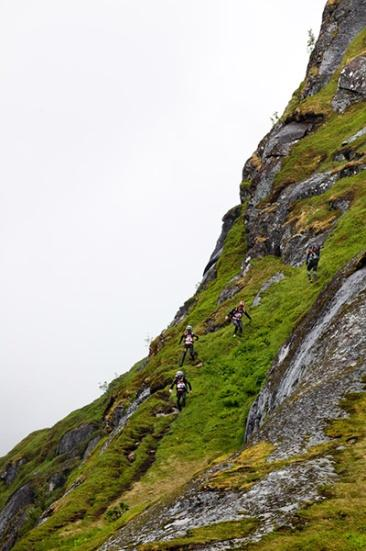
x,y
114,513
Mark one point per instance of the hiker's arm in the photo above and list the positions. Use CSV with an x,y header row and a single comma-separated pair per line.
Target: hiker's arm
x,y
196,337
247,315
173,383
182,337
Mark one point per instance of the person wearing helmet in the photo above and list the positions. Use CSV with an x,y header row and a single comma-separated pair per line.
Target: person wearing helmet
x,y
312,261
235,316
188,339
182,385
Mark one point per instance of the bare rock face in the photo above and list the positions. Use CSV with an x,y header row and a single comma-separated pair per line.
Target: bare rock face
x,y
227,223
75,441
13,516
351,85
342,21
323,362
11,471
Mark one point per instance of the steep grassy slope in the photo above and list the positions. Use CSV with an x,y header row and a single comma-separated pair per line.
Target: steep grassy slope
x,y
158,451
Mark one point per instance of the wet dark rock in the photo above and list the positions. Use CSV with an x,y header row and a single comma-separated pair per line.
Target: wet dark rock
x,y
11,470
276,278
279,144
183,311
342,204
228,292
227,223
352,169
125,414
74,442
342,21
57,480
91,446
324,360
13,516
351,84
266,229
347,154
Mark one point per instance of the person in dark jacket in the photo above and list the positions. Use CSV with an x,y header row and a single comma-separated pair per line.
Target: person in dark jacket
x,y
312,261
235,316
182,384
188,339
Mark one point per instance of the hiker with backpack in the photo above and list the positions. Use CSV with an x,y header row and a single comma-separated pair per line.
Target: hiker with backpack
x,y
182,384
188,339
235,316
312,261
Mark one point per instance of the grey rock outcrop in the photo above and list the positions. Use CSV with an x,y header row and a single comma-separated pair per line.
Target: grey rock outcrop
x,y
227,223
74,442
124,416
271,281
11,471
351,85
275,237
314,371
342,21
273,500
13,516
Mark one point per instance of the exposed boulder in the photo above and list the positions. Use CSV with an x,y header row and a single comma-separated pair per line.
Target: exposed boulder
x,y
74,442
13,516
228,293
11,471
342,21
351,85
280,143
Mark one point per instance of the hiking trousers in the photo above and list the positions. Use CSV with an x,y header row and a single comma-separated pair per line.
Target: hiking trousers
x,y
187,348
238,327
181,399
312,267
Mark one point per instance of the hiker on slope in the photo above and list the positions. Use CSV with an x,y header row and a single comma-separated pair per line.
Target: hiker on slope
x,y
182,384
188,339
235,316
312,261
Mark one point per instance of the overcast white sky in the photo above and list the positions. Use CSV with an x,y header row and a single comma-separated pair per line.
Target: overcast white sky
x,y
124,128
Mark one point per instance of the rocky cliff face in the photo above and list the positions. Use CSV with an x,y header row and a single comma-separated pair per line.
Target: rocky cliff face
x,y
127,472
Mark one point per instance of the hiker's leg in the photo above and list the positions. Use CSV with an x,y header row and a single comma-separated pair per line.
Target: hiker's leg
x,y
240,328
183,399
235,322
178,401
192,352
183,357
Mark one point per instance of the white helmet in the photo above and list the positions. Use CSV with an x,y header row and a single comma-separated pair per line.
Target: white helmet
x,y
189,328
179,374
